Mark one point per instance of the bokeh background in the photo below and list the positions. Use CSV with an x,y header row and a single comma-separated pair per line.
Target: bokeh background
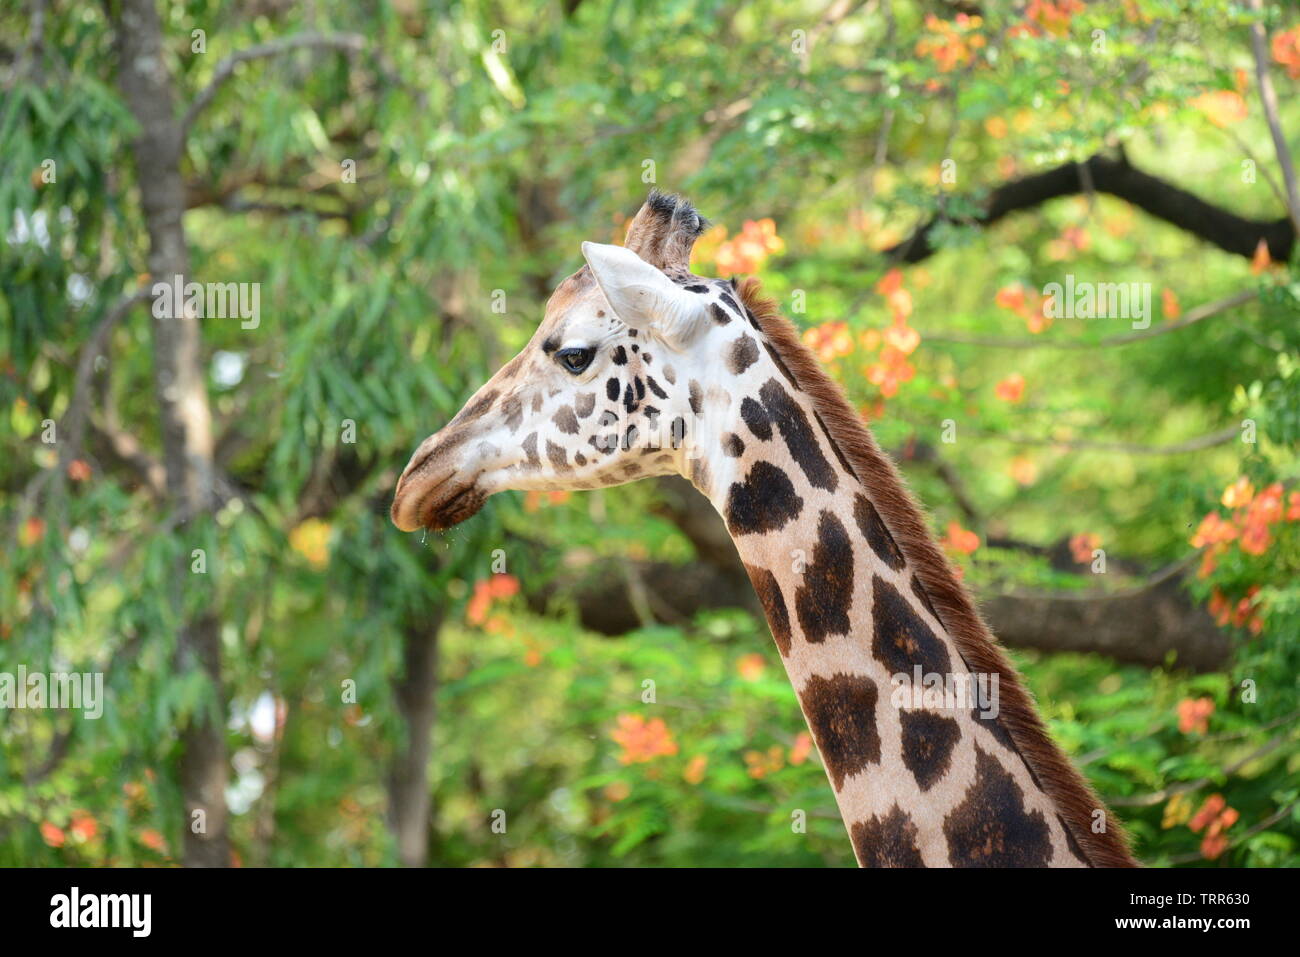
x,y
198,510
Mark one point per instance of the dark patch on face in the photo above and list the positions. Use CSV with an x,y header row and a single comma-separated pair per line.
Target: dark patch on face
x,y
565,420
600,314
635,347
629,400
647,358
537,402
823,601
678,432
877,535
640,387
696,287
799,437
671,375
700,475
719,314
612,388
732,445
841,712
550,345
619,355
585,403
475,408
755,417
629,437
888,841
559,459
650,412
529,446
923,597
844,462
991,828
780,364
764,502
752,321
928,740
604,443
773,602
631,469
742,355
901,638
514,412
1071,843
694,396
735,306
511,367
579,458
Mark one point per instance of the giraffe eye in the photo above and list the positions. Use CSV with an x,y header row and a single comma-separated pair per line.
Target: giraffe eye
x,y
575,359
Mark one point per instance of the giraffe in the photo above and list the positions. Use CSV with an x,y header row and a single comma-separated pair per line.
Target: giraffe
x,y
641,368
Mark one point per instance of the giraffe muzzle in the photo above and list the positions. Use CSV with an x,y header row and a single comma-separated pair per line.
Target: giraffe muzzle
x,y
434,504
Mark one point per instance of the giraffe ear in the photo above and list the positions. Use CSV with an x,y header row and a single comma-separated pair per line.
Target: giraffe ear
x,y
643,297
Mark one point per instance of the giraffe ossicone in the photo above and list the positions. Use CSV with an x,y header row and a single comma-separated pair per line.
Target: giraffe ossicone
x,y
640,368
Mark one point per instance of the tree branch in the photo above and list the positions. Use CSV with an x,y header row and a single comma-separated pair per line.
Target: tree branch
x,y
1268,97
226,68
1117,177
1206,311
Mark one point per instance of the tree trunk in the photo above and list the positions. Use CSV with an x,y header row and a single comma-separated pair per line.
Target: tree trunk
x,y
408,780
183,407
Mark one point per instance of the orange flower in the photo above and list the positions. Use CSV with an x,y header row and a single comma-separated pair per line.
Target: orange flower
x,y
695,769
153,839
1213,530
496,588
1239,493
802,748
903,338
761,763
1293,507
1023,470
311,540
1169,302
52,835
1208,812
1214,817
1286,51
1083,545
1261,260
890,372
642,740
1051,16
31,532
960,540
951,43
1194,715
747,251
84,826
830,340
750,666
1011,389
1223,108
78,470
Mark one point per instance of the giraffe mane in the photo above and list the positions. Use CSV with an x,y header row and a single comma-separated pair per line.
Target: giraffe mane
x,y
1060,780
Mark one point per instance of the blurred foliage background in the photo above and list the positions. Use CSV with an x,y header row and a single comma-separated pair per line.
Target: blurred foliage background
x,y
406,183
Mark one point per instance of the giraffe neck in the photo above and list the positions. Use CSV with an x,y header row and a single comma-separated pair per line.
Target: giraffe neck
x,y
845,569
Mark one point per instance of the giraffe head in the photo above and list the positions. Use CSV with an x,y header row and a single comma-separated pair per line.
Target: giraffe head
x,y
605,392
